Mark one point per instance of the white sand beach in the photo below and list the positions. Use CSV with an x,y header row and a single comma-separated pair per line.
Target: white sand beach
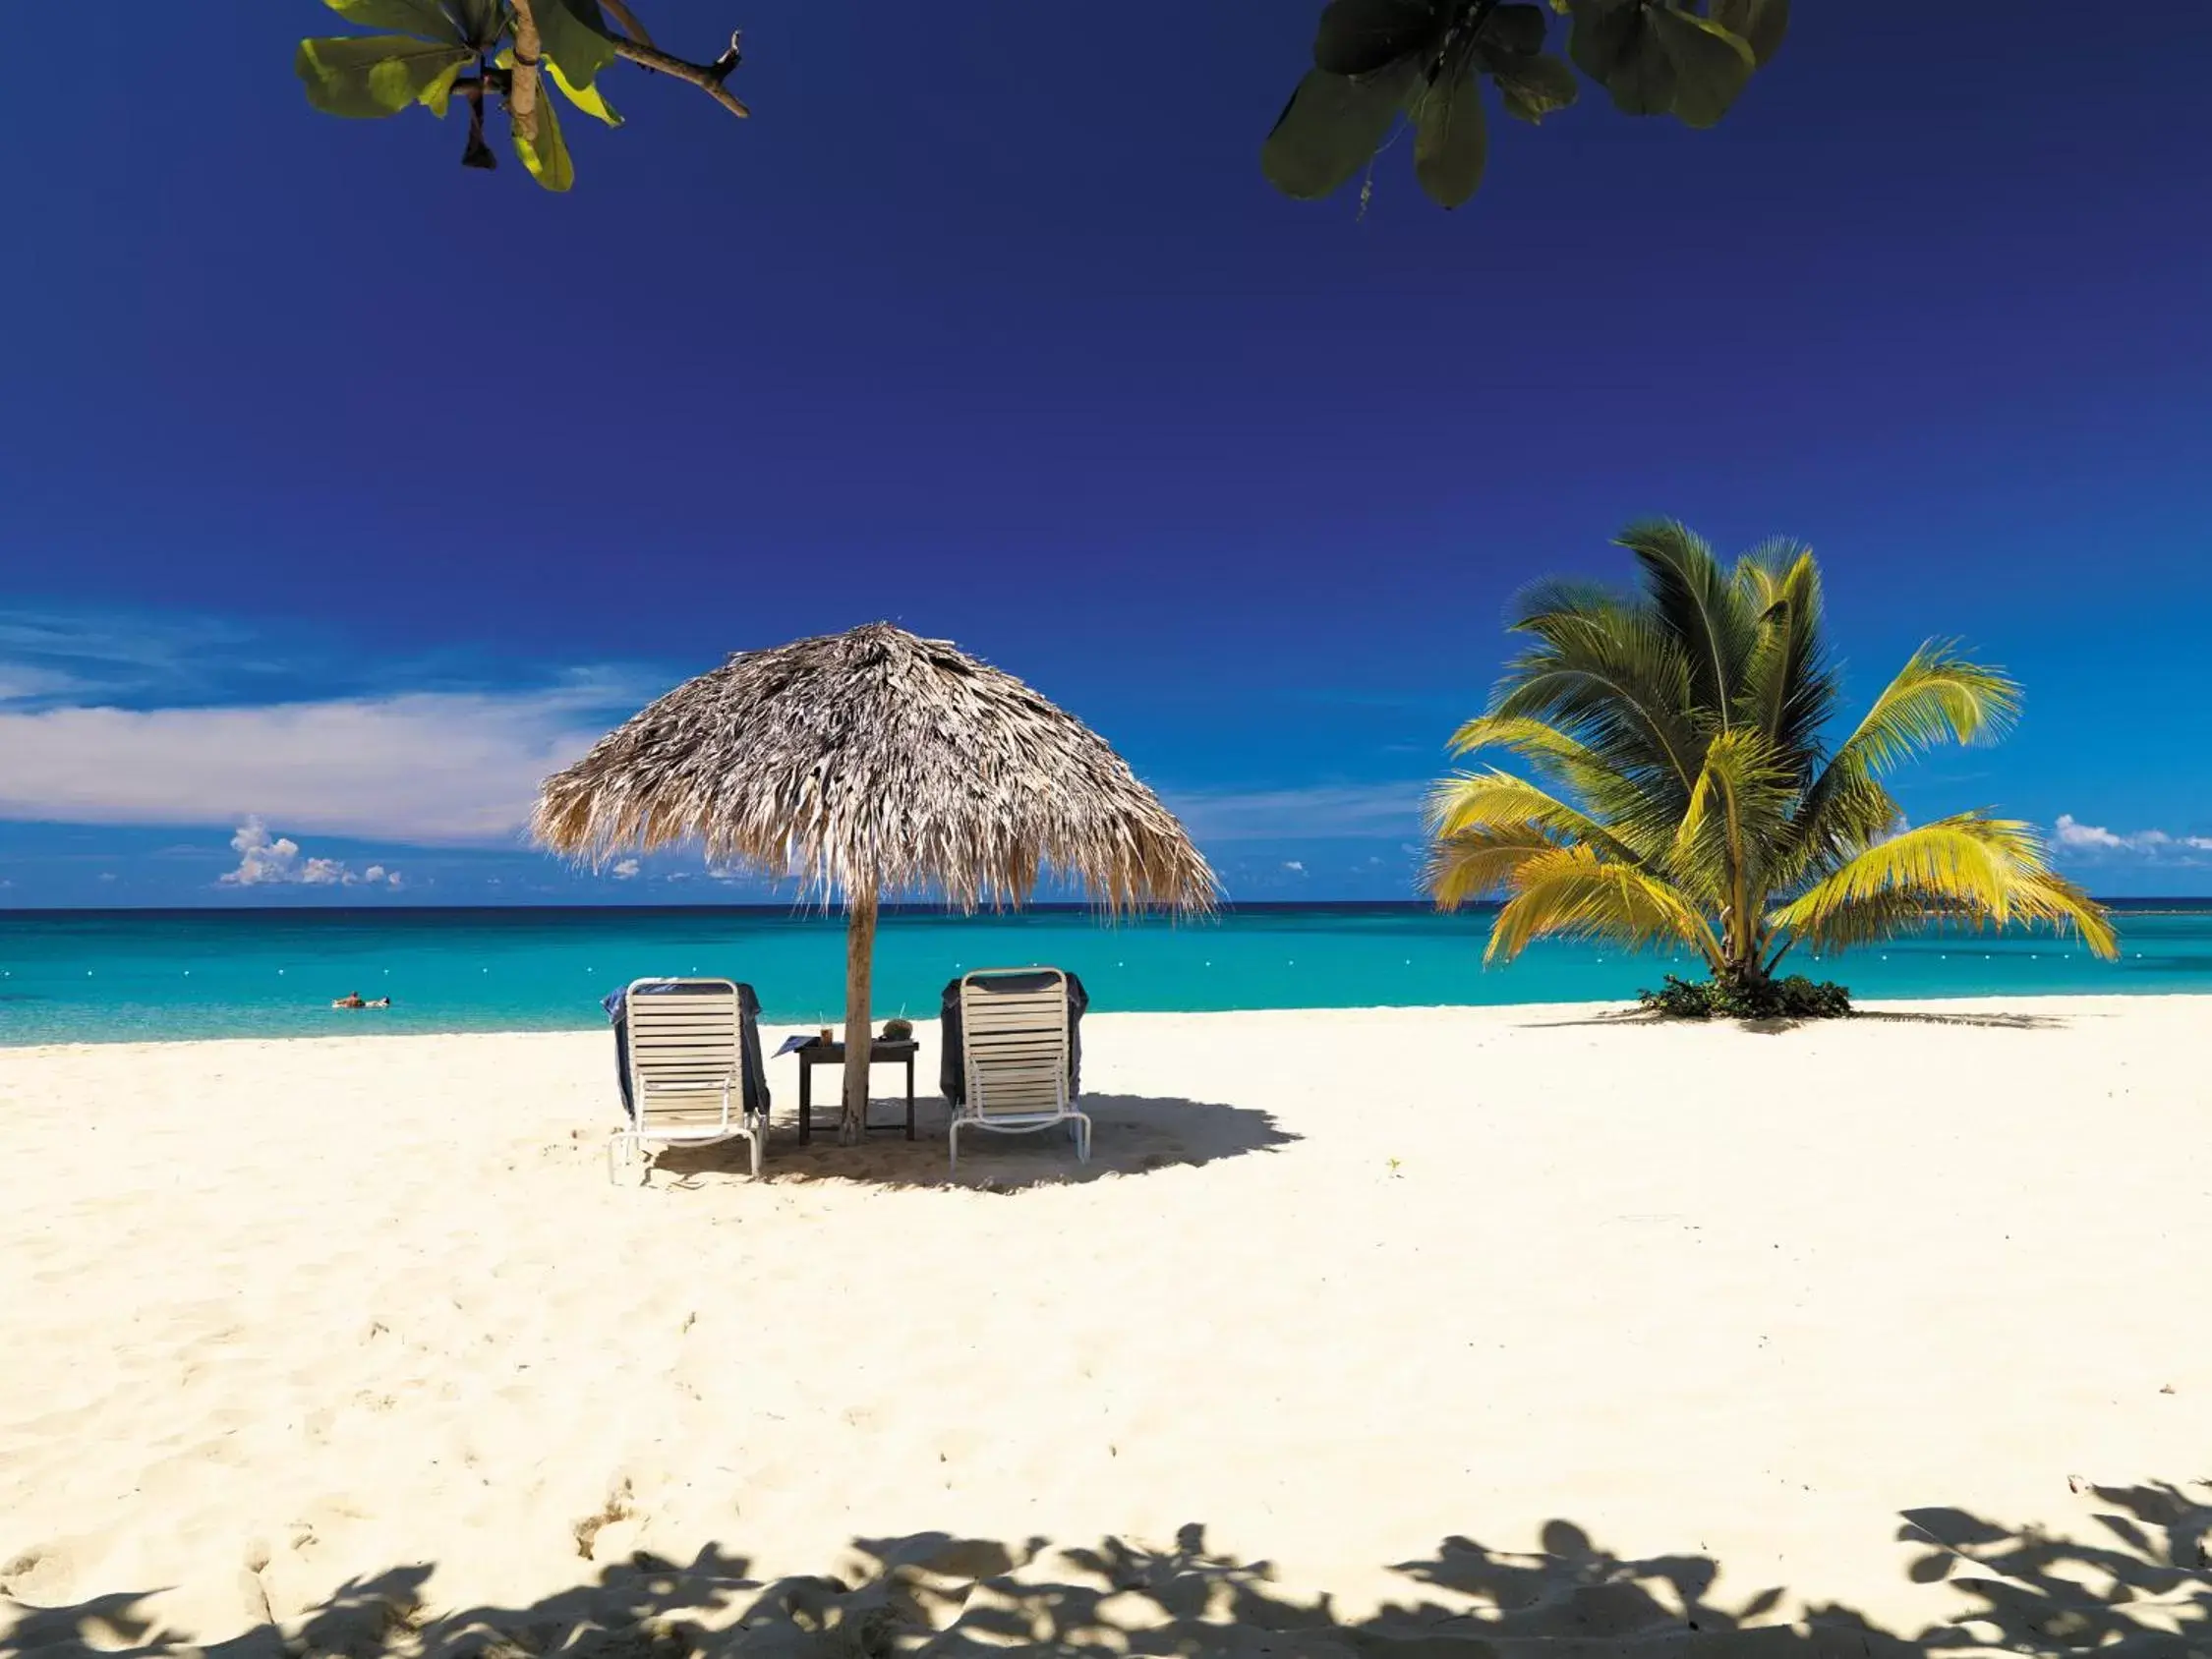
x,y
285,1317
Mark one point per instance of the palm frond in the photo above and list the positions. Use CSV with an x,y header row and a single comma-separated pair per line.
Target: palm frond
x,y
1575,892
1533,740
1966,858
1496,799
1476,864
1561,595
1879,917
1938,697
1616,683
1698,607
1737,814
1789,687
2047,898
1848,812
1616,798
1759,571
1965,867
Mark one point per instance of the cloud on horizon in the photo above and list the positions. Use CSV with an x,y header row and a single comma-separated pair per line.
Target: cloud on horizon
x,y
266,860
423,767
2092,838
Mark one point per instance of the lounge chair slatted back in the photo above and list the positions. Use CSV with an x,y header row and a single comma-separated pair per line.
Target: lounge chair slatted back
x,y
1017,1056
686,1058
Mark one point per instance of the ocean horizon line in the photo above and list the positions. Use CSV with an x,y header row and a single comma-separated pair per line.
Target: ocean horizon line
x,y
2174,904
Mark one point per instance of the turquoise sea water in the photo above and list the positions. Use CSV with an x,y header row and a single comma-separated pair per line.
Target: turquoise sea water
x,y
81,976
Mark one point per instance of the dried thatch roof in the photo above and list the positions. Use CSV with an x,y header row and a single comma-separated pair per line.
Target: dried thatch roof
x,y
870,762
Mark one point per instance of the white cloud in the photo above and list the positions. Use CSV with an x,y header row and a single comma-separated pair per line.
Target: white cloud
x,y
266,860
452,767
2070,832
2074,834
625,870
260,858
1294,866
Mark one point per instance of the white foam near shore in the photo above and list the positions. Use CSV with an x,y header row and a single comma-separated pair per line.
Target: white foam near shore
x,y
1338,1285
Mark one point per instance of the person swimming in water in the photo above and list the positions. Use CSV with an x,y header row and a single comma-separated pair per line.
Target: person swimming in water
x,y
353,1000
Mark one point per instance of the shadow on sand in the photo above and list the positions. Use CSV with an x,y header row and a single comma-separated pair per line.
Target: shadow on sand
x,y
1130,1135
2140,1591
1987,1020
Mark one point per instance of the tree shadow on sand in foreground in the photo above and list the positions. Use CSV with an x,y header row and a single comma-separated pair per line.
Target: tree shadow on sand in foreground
x,y
2142,1591
1130,1135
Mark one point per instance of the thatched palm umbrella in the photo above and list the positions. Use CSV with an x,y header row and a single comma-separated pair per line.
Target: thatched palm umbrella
x,y
875,761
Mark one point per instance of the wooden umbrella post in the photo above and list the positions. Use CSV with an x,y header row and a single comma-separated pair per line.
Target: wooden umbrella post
x,y
859,955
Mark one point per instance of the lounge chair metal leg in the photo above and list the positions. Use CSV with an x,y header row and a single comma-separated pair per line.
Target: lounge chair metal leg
x,y
629,1145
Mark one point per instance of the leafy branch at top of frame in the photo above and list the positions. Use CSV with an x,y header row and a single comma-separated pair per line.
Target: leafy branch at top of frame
x,y
429,52
1378,62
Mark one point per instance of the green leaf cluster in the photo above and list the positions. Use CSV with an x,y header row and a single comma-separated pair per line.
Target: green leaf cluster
x,y
1681,790
1658,58
423,48
1377,62
1794,998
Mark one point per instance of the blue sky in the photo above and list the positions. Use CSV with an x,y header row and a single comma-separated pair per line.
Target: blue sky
x,y
343,493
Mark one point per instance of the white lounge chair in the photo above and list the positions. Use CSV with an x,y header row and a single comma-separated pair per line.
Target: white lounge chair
x,y
1015,1057
686,1069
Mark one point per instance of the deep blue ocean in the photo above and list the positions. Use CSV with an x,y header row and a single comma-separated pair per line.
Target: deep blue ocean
x,y
101,976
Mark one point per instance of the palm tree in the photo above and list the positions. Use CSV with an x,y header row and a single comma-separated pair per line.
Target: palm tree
x,y
1681,794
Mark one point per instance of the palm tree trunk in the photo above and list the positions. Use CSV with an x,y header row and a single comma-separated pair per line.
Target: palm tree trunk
x,y
1743,954
1747,968
859,958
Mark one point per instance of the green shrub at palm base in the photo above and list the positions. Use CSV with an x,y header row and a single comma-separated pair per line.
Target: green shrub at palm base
x,y
1794,998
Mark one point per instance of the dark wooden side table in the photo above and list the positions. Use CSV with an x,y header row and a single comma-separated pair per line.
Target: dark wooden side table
x,y
880,1052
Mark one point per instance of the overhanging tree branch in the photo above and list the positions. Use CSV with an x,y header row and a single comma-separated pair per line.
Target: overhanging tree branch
x,y
1370,61
707,78
522,90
